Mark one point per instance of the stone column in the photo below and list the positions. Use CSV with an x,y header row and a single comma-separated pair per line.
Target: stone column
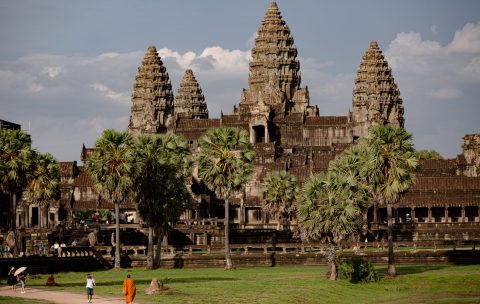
x,y
413,214
463,214
446,214
375,213
429,214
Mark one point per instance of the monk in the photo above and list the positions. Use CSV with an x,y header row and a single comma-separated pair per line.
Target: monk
x,y
129,289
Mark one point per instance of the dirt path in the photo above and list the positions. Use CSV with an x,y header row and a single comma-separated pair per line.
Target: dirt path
x,y
58,296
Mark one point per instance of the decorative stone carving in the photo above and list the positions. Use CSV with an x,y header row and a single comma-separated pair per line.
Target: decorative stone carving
x,y
190,101
152,97
274,71
376,98
92,239
471,155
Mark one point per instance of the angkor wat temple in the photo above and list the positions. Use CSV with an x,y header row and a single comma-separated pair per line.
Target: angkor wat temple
x,y
287,133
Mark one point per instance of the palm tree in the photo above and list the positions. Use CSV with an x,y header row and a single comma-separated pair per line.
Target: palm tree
x,y
43,184
162,166
15,166
389,171
110,167
279,192
330,208
225,164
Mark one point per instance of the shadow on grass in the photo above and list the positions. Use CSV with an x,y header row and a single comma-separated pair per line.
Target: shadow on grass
x,y
144,281
410,269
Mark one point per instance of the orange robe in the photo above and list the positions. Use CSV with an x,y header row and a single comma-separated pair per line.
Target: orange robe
x,y
129,290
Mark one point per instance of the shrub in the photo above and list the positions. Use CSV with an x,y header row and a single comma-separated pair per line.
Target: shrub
x,y
357,269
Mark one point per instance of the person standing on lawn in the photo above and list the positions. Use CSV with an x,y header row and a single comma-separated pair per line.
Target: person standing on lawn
x,y
90,285
129,289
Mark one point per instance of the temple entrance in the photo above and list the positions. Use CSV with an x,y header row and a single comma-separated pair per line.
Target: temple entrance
x,y
421,214
455,213
471,212
403,215
34,217
259,133
438,214
62,213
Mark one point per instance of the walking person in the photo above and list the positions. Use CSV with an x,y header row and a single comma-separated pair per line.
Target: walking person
x,y
129,289
90,285
21,277
12,279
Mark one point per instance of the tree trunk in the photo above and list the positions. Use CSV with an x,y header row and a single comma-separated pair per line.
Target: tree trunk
x,y
117,236
391,266
158,253
228,259
150,246
332,262
14,223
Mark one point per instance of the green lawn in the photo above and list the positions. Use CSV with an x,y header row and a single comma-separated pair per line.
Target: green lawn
x,y
10,300
287,284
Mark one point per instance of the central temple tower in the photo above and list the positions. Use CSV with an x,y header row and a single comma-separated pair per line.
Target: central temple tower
x,y
274,78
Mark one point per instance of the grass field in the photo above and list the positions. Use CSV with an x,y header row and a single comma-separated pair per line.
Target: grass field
x,y
10,300
286,284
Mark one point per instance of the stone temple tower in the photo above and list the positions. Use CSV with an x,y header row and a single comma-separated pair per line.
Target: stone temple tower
x,y
152,97
190,102
376,98
274,78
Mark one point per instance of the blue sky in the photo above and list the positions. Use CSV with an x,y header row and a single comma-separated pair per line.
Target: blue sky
x,y
67,67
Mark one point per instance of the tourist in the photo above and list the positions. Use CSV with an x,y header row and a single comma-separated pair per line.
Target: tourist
x,y
41,249
90,285
74,243
12,280
6,251
129,289
63,245
50,281
21,277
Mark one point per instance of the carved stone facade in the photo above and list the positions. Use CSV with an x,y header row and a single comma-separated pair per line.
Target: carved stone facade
x,y
274,78
376,98
469,160
288,134
190,102
152,97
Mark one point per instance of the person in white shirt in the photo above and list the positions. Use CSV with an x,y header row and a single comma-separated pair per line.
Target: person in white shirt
x,y
90,285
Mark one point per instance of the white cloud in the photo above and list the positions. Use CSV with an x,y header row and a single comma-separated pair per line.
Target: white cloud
x,y
446,93
52,72
212,58
251,40
467,39
439,84
224,60
183,61
109,93
473,66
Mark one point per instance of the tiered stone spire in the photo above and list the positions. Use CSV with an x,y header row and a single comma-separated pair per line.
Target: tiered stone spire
x,y
152,97
190,101
376,98
274,77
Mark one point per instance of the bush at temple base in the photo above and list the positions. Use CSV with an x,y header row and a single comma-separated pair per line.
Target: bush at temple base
x,y
357,270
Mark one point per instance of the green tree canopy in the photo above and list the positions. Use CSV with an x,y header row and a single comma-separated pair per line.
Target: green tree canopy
x,y
110,167
163,165
15,166
429,154
389,170
225,164
279,190
44,181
